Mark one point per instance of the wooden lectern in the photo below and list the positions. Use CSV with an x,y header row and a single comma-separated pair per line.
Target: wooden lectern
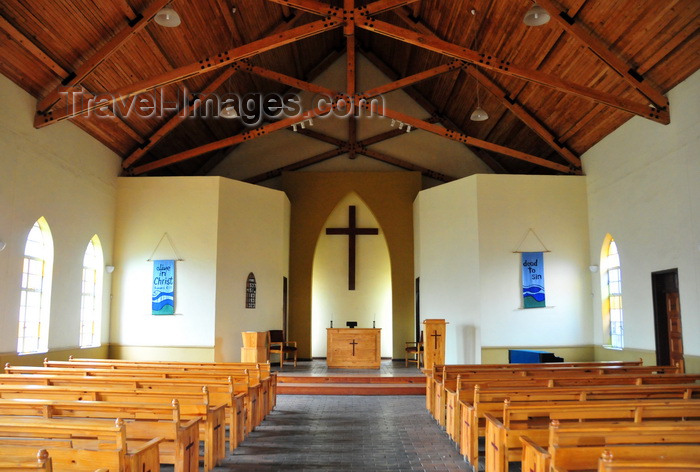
x,y
255,348
434,342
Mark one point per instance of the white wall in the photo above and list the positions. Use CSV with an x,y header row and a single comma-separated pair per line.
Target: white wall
x,y
187,209
447,262
253,236
467,231
330,298
644,189
63,174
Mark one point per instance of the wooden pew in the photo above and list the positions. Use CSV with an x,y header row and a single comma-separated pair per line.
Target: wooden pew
x,y
502,444
219,391
79,445
192,405
465,389
491,401
180,444
607,463
217,382
577,447
14,463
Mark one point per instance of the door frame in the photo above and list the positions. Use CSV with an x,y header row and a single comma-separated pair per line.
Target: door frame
x,y
659,288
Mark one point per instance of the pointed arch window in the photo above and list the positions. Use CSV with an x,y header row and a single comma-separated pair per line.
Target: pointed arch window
x,y
612,294
91,299
35,293
250,291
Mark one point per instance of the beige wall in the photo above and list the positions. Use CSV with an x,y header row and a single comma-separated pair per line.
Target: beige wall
x,y
644,189
65,175
390,198
253,236
371,300
470,275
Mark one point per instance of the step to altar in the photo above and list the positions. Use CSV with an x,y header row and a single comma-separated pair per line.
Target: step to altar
x,y
349,385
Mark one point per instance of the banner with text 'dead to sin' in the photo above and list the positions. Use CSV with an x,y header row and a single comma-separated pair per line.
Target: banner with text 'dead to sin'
x,y
533,279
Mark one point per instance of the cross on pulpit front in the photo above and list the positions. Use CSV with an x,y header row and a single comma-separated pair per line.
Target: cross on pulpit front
x,y
435,336
352,231
353,346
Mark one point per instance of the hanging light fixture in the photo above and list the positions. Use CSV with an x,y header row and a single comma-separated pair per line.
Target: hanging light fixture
x,y
168,17
228,109
479,114
536,16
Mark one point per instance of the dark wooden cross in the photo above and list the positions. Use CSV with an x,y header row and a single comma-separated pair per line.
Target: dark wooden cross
x,y
435,336
352,231
353,346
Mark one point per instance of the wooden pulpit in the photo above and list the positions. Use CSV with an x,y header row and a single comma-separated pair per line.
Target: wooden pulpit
x,y
434,342
255,348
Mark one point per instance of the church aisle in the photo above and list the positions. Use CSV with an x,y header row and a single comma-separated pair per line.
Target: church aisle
x,y
346,433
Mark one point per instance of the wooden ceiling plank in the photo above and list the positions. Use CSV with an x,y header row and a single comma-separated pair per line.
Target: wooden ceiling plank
x,y
602,51
324,156
413,79
287,80
177,119
462,138
429,108
678,39
351,73
310,6
236,139
109,48
435,44
204,66
383,157
32,48
526,117
382,6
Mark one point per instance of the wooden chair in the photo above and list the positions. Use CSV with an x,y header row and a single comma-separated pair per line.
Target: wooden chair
x,y
278,345
414,348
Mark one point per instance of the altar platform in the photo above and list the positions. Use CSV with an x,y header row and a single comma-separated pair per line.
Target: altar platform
x,y
316,378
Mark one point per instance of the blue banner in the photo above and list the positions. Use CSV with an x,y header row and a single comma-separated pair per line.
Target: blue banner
x,y
533,280
163,296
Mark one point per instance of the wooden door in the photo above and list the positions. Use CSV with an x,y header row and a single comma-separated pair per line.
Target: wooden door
x,y
675,333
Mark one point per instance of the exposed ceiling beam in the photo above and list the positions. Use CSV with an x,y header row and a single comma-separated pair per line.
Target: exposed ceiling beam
x,y
57,69
432,110
351,75
383,157
177,119
296,166
433,43
381,6
462,138
526,117
203,66
602,50
226,142
413,79
311,6
287,80
103,53
322,137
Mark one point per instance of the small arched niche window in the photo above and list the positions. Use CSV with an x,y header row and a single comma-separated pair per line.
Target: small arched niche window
x,y
91,300
611,291
35,292
250,291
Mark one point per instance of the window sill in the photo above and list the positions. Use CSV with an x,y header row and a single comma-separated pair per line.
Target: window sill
x,y
613,348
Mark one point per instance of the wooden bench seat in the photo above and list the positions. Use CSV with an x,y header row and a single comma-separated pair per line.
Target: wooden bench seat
x,y
578,447
83,445
11,462
465,389
608,463
180,445
192,406
237,404
491,401
502,444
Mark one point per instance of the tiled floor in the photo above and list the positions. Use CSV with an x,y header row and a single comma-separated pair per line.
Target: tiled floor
x,y
346,433
318,367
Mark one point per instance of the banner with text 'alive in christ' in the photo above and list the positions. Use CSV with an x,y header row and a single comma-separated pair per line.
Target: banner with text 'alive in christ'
x,y
533,279
163,296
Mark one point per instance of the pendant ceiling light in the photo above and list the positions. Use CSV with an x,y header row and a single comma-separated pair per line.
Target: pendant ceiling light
x,y
536,16
479,114
228,108
168,17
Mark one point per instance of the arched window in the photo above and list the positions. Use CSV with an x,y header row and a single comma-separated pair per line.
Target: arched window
x,y
91,301
250,291
611,294
35,295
